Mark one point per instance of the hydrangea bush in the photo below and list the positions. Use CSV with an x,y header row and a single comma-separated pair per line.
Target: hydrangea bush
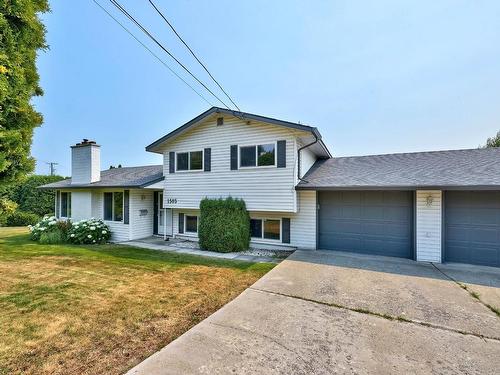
x,y
91,231
47,224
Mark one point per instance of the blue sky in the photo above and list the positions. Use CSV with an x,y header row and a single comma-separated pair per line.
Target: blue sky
x,y
373,76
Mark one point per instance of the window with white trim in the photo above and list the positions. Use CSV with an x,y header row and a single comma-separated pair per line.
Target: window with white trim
x,y
263,155
189,161
268,229
190,224
65,204
113,206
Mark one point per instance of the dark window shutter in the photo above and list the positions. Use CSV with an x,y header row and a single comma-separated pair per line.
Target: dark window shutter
x,y
285,230
126,207
155,211
108,206
181,223
234,157
171,162
207,160
281,154
58,202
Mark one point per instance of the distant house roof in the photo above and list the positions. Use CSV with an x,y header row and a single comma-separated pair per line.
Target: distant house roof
x,y
127,177
247,116
455,169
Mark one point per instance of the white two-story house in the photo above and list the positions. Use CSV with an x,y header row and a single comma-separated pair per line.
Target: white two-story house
x,y
428,206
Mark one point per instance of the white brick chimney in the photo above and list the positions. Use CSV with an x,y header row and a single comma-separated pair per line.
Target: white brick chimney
x,y
85,162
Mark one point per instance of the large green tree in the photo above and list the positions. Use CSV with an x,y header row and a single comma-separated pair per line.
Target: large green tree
x,y
22,35
493,141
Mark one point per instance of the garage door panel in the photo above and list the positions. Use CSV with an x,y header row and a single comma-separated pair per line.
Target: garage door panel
x,y
483,235
472,227
484,256
348,198
350,212
456,233
378,222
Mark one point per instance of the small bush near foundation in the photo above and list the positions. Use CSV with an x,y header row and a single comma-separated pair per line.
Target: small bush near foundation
x,y
52,238
224,225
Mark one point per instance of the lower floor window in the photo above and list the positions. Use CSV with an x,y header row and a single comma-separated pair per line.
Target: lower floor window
x,y
65,204
191,223
269,229
113,206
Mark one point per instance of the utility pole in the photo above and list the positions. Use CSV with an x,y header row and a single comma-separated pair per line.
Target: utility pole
x,y
52,167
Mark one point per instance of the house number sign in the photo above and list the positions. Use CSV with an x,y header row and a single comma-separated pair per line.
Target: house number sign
x,y
171,200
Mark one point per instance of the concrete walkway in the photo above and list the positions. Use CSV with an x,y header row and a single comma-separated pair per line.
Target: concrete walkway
x,y
326,312
211,254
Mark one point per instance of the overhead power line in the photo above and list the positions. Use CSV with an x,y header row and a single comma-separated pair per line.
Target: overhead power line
x,y
145,31
151,52
192,53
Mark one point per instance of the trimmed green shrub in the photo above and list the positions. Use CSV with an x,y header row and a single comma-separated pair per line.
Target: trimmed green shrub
x,y
224,225
92,231
21,219
52,238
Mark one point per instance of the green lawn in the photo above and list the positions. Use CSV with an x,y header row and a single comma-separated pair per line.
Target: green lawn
x,y
102,309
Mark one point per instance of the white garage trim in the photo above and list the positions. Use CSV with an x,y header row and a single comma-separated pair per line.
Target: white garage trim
x,y
428,225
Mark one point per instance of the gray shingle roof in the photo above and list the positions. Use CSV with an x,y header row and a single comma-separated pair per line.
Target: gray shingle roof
x,y
455,169
131,177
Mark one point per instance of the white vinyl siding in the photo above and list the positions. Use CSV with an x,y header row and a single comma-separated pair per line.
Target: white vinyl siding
x,y
263,189
307,159
81,205
302,223
141,225
428,225
119,231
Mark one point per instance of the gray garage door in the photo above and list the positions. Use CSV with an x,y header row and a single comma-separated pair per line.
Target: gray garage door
x,y
472,227
369,222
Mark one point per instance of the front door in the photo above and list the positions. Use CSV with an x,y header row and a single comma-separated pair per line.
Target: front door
x,y
164,213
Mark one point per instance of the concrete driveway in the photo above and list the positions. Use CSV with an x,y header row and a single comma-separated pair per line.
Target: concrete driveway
x,y
327,312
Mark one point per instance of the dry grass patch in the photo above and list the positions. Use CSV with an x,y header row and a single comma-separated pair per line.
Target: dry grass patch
x,y
102,309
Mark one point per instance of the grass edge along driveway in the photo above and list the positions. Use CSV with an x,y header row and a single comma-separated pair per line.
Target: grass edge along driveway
x,y
103,309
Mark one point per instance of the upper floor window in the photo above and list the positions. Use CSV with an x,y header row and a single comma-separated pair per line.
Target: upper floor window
x,y
190,161
65,204
113,206
258,155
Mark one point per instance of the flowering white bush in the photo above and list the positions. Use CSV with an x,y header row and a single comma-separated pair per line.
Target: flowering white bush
x,y
91,231
45,225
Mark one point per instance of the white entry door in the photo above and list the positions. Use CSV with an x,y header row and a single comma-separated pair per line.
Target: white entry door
x,y
164,213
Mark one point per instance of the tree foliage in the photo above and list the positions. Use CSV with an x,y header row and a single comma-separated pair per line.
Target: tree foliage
x,y
22,34
28,197
493,141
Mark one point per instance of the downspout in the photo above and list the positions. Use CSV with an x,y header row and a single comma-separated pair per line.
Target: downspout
x,y
316,139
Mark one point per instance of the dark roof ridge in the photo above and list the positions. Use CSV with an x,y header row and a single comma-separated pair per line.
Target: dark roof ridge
x,y
416,152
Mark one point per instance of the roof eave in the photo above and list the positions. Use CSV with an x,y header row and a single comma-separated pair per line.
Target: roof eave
x,y
153,147
397,187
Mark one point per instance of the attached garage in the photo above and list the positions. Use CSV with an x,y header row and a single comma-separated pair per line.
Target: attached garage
x,y
472,227
368,222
